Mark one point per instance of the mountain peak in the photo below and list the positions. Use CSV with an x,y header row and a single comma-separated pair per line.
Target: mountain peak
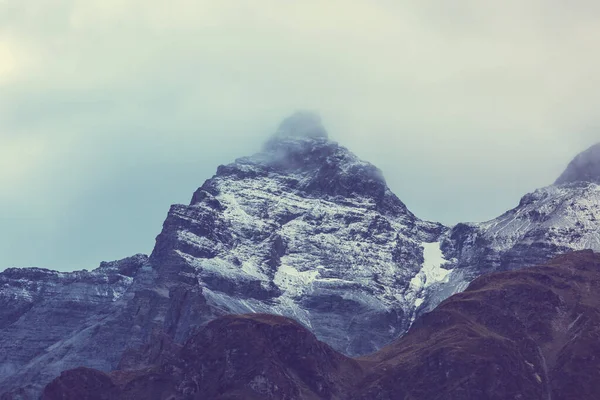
x,y
302,124
585,167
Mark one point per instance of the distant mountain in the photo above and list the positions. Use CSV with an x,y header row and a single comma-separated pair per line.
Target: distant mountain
x,y
303,229
553,220
527,334
584,168
43,313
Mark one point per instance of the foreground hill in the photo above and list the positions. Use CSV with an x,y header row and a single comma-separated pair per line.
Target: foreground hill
x,y
527,334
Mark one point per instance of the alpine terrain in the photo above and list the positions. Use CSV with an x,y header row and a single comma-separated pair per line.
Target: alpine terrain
x,y
304,230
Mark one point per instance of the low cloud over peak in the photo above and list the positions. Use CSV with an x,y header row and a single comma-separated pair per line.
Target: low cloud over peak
x,y
302,124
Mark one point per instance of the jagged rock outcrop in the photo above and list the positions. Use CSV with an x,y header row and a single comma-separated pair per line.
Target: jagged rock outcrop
x,y
63,320
527,334
40,310
303,229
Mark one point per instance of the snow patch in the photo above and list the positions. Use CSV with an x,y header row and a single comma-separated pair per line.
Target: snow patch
x,y
431,272
292,281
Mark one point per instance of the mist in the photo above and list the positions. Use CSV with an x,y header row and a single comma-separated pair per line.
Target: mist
x,y
111,110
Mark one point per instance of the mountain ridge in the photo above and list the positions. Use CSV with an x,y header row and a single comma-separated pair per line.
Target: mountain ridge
x,y
304,229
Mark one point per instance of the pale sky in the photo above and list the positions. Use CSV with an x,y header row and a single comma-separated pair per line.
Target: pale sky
x,y
111,110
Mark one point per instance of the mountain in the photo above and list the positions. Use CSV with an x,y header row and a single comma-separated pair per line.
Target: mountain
x,y
40,310
553,220
303,229
525,334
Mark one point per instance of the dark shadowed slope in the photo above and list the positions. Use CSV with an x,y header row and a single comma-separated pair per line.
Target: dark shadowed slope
x,y
528,334
254,356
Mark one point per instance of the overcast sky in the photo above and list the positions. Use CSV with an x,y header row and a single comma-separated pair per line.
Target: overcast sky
x,y
111,110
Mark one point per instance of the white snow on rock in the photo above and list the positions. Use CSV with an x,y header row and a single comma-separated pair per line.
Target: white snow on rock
x,y
566,216
432,271
292,281
308,230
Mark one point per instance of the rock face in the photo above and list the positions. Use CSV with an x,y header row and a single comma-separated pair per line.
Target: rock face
x,y
56,321
550,221
41,309
303,229
557,219
526,334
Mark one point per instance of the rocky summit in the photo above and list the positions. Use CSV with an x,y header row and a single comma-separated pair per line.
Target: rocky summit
x,y
527,334
303,229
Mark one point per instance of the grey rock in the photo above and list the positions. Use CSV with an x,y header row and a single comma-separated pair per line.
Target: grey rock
x,y
42,310
90,319
550,221
303,229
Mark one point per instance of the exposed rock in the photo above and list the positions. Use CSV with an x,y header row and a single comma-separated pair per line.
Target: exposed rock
x,y
550,221
41,310
303,228
307,230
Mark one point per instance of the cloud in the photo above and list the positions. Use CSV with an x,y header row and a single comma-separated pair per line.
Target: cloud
x,y
7,62
106,105
18,156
